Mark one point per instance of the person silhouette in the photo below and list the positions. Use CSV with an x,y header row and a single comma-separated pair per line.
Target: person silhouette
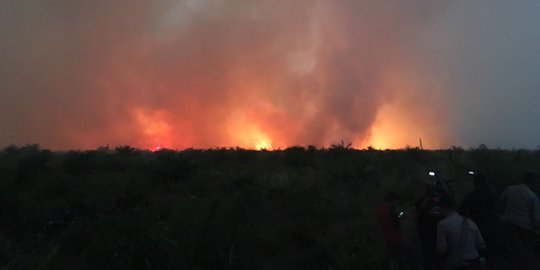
x,y
428,215
521,215
479,206
400,250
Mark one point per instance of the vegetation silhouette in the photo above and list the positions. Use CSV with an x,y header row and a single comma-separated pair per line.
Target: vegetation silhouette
x,y
297,208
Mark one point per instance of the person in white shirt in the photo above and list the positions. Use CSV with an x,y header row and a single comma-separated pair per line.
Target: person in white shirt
x,y
459,242
521,214
521,205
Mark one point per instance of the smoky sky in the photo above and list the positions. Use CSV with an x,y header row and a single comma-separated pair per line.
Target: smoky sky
x,y
209,73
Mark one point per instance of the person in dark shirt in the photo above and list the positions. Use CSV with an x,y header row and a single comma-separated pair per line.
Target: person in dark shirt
x,y
479,206
428,215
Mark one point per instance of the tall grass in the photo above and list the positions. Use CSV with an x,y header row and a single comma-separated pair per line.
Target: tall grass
x,y
298,208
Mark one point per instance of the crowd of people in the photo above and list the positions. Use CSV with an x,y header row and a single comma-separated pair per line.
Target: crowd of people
x,y
485,231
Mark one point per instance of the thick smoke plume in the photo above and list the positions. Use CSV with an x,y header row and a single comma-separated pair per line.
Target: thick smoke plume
x,y
203,73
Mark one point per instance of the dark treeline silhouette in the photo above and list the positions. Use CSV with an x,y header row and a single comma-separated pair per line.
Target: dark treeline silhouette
x,y
297,208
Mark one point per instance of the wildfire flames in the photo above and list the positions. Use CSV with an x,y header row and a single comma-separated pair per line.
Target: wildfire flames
x,y
253,74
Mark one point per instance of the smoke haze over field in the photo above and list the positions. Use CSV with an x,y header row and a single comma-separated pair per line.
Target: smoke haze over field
x,y
269,74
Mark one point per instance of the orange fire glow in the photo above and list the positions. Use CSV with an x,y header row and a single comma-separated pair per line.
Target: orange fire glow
x,y
396,127
386,133
406,117
155,128
247,133
261,141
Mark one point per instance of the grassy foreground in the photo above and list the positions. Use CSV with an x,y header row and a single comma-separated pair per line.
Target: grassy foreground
x,y
299,208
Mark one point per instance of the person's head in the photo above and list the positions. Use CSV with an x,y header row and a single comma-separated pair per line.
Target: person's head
x,y
449,186
447,204
432,189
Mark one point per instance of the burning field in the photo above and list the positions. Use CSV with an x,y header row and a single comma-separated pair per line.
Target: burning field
x,y
203,74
